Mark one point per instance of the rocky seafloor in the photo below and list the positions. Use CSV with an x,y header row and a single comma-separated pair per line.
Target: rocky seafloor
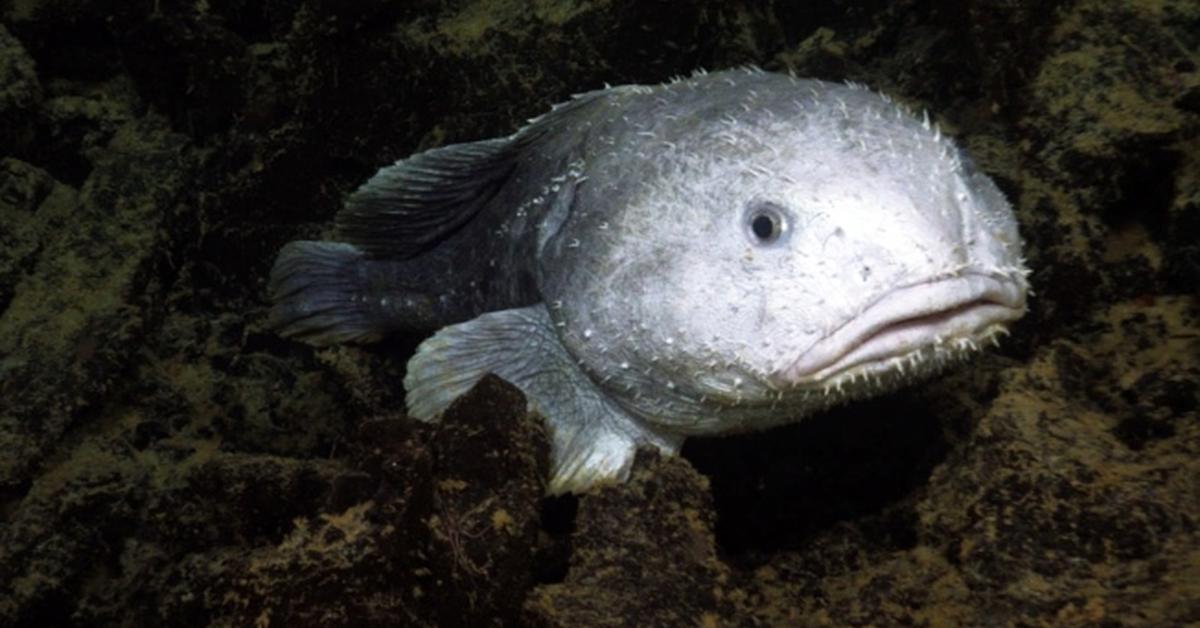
x,y
167,461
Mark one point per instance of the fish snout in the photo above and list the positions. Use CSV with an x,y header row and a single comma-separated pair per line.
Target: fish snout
x,y
898,328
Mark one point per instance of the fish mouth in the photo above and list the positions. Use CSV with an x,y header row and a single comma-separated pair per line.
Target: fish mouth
x,y
905,322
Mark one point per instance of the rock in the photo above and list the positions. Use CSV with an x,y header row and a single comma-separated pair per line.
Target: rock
x,y
20,93
78,307
643,553
436,529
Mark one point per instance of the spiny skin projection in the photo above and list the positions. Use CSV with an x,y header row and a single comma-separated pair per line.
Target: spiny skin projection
x,y
722,253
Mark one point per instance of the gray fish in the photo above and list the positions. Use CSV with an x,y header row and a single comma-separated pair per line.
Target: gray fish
x,y
723,253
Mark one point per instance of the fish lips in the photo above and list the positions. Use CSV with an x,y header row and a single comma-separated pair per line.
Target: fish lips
x,y
906,320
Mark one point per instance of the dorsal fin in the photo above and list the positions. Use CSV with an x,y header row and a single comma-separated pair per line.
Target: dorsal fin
x,y
408,207
411,205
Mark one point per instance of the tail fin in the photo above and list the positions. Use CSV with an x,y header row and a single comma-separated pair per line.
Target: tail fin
x,y
316,289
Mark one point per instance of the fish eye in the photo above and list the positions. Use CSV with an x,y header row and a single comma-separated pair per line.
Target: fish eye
x,y
766,221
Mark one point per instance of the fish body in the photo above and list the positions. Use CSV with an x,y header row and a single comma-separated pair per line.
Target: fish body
x,y
723,253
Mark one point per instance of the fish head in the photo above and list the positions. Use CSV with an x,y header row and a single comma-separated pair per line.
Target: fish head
x,y
755,268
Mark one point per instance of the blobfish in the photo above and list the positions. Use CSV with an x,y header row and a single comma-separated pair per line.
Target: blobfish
x,y
725,252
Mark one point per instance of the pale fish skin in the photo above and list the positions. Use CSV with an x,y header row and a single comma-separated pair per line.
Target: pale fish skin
x,y
726,252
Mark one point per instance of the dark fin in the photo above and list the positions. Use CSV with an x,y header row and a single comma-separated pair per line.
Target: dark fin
x,y
316,290
592,438
408,207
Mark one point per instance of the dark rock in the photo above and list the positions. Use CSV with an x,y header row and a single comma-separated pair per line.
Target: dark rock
x,y
491,461
20,94
643,554
422,543
76,317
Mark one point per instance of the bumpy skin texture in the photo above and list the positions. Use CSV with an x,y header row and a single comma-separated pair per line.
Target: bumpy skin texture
x,y
722,253
873,200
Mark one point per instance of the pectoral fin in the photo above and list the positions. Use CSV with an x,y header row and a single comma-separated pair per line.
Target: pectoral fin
x,y
593,438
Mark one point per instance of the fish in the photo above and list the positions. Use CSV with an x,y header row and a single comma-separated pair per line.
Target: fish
x,y
721,253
